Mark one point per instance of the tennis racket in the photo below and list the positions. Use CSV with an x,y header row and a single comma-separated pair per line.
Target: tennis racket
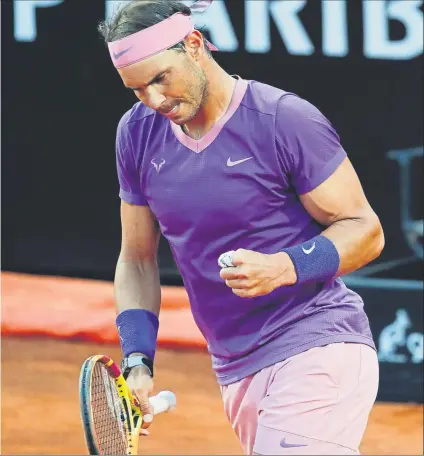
x,y
110,417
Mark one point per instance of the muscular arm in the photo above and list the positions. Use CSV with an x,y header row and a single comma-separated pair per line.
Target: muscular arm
x,y
340,204
330,191
137,284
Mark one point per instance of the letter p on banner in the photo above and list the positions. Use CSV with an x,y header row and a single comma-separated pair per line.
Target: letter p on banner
x,y
25,18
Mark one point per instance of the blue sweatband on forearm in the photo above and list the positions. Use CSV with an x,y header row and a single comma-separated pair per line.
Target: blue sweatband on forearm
x,y
138,330
316,260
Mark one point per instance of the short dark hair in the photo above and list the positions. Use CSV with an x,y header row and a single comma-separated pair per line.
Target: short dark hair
x,y
140,14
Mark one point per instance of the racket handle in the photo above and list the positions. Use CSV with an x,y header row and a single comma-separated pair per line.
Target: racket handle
x,y
163,402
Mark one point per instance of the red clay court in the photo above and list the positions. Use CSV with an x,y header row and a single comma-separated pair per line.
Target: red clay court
x,y
45,343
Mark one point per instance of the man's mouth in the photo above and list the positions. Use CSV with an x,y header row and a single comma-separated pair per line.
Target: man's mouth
x,y
171,112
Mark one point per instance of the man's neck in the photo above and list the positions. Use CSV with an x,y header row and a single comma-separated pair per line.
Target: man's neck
x,y
220,91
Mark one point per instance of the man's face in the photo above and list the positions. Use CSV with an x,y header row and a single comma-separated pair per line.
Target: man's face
x,y
171,83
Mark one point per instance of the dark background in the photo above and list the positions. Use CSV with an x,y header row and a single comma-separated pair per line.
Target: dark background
x,y
62,100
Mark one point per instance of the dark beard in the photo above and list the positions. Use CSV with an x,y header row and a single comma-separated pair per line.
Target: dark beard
x,y
204,95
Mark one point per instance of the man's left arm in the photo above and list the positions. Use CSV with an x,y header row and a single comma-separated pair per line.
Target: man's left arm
x,y
330,191
353,229
340,204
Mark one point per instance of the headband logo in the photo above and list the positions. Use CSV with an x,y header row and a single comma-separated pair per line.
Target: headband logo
x,y
119,54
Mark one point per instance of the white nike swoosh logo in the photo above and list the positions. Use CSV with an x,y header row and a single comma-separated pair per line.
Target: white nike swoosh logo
x,y
308,251
237,162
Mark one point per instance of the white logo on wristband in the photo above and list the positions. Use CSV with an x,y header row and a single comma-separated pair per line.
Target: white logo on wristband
x,y
119,333
308,251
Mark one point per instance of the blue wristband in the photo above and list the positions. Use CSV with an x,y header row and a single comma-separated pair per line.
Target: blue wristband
x,y
315,261
138,330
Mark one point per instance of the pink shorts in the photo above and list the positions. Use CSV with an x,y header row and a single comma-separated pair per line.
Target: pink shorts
x,y
317,402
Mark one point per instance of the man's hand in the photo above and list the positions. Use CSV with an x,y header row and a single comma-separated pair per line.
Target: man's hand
x,y
257,274
141,386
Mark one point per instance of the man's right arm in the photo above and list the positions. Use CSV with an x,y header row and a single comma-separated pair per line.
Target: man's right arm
x,y
137,286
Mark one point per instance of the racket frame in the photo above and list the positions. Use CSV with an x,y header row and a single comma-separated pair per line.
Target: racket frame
x,y
131,411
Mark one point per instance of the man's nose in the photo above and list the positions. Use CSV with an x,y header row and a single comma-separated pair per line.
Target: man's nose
x,y
154,99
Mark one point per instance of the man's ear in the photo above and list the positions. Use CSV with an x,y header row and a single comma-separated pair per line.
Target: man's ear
x,y
195,44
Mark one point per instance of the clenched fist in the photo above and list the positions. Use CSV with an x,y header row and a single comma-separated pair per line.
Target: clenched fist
x,y
256,274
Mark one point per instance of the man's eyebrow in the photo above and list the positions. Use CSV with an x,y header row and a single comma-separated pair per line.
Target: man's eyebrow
x,y
158,75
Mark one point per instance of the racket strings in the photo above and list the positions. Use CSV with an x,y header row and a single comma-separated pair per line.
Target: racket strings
x,y
107,413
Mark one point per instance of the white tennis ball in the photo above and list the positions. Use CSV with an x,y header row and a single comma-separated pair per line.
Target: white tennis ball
x,y
170,398
226,259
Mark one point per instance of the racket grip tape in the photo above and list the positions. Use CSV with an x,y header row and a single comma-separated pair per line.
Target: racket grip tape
x,y
163,402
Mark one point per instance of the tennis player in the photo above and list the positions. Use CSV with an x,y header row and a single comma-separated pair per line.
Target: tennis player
x,y
223,165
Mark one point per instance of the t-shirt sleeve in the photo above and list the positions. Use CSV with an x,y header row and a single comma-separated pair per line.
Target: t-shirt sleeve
x,y
309,147
128,174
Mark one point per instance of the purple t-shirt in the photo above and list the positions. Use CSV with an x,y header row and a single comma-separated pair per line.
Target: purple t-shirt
x,y
238,187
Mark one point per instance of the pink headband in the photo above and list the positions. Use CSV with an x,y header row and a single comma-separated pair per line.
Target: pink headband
x,y
155,39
